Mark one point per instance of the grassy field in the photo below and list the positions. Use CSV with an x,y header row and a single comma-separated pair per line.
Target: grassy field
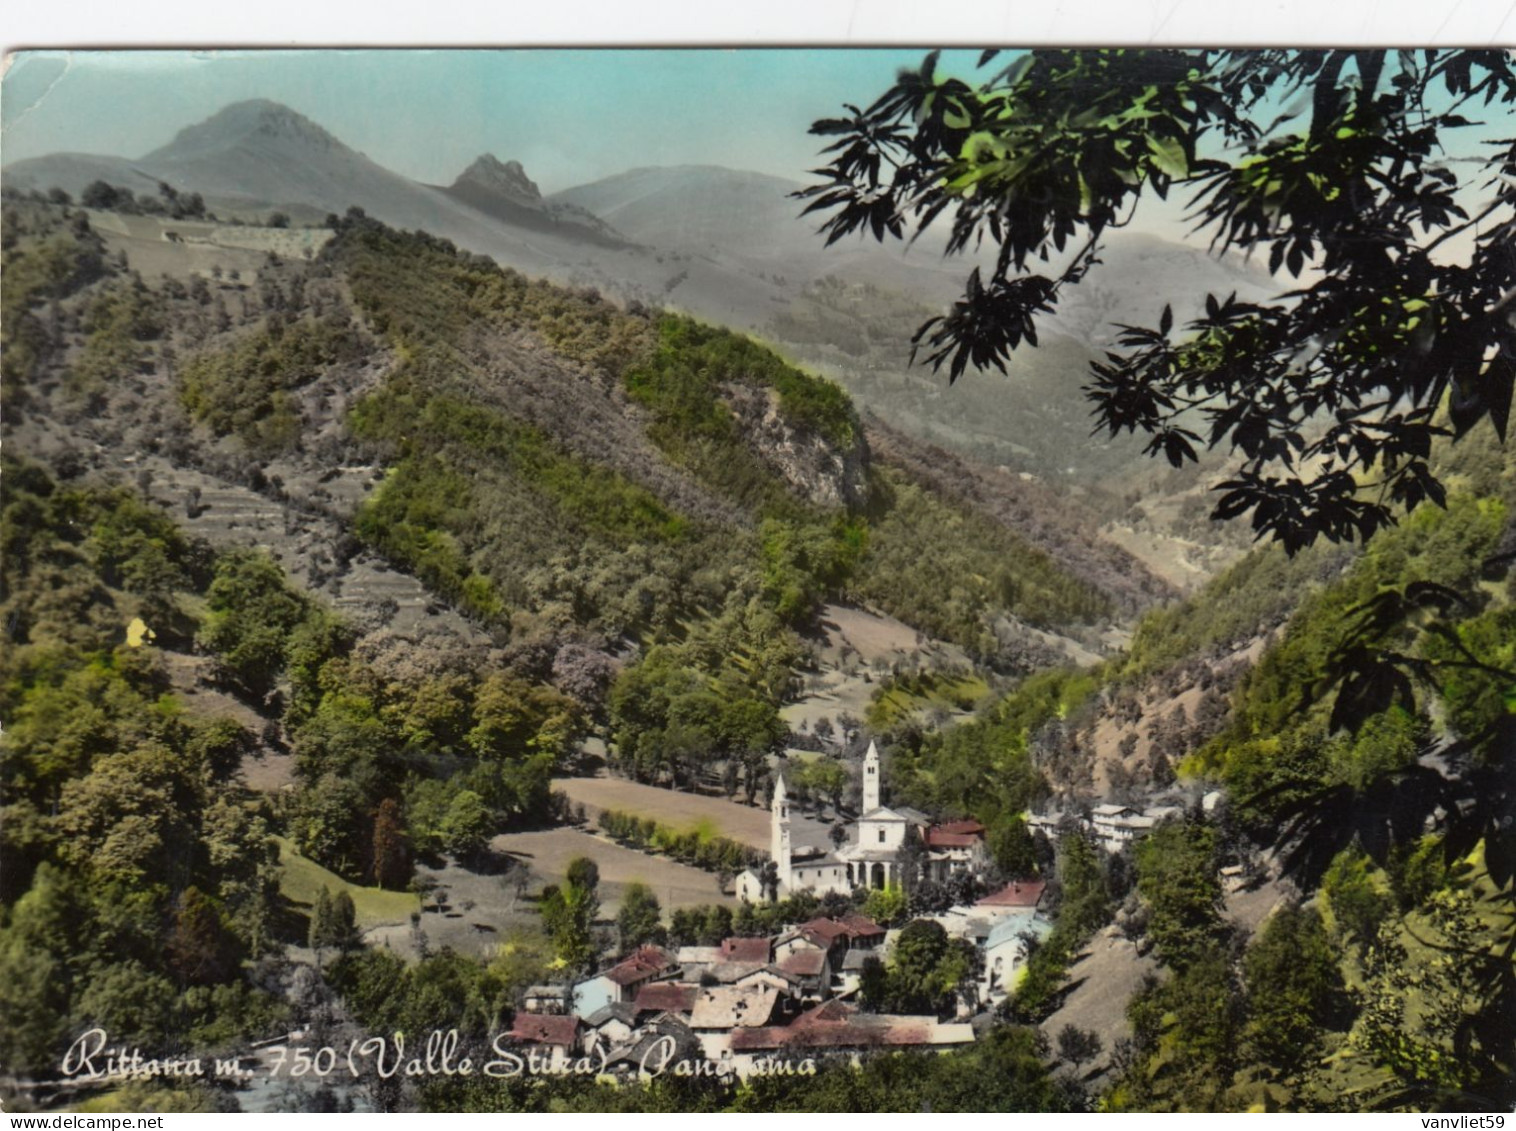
x,y
547,853
1102,979
710,816
857,648
303,880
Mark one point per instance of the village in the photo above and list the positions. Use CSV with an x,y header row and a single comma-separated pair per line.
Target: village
x,y
755,1004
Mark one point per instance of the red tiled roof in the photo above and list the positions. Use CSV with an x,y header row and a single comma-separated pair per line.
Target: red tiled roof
x,y
1021,893
861,926
935,838
666,997
804,963
745,950
850,926
955,834
835,1025
969,827
764,975
641,964
823,931
545,1029
834,1010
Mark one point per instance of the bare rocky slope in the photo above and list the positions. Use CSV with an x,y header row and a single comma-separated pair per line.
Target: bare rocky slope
x,y
503,190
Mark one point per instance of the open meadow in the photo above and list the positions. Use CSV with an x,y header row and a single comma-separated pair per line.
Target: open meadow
x,y
547,852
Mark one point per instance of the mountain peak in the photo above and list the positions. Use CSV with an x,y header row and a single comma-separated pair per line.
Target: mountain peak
x,y
503,190
507,178
255,118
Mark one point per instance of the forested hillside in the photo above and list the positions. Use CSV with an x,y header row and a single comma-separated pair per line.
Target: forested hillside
x,y
1377,810
1385,802
397,529
620,520
138,876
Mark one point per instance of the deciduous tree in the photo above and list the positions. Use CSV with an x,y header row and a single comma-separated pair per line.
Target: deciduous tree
x,y
1177,876
638,921
1348,194
1294,986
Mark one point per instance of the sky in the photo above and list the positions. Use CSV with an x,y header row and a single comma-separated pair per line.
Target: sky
x,y
568,116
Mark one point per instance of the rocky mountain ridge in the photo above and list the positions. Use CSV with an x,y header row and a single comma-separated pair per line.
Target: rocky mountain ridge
x,y
504,191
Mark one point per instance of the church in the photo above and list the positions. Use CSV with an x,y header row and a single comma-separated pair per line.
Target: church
x,y
883,843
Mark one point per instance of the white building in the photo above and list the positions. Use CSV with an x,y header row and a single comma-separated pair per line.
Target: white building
x,y
1005,950
876,855
1114,825
953,847
808,868
622,981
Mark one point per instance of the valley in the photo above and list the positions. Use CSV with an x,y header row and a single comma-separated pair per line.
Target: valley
x,y
452,599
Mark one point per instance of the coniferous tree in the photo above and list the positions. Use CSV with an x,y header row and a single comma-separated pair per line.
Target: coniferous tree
x,y
320,933
391,867
344,921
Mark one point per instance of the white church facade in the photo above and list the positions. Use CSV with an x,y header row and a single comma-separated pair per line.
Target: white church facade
x,y
876,854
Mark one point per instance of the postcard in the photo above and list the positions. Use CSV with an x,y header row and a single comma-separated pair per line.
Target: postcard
x,y
758,580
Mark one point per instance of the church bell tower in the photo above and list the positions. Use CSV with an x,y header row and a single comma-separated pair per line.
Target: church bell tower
x,y
871,779
780,825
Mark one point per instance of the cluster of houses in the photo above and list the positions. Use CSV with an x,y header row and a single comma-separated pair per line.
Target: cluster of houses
x,y
748,1003
886,842
1113,825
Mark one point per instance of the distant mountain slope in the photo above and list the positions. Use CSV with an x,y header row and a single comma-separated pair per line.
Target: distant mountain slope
x,y
257,155
693,206
550,460
1138,273
751,222
726,244
73,171
262,153
1053,522
852,308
